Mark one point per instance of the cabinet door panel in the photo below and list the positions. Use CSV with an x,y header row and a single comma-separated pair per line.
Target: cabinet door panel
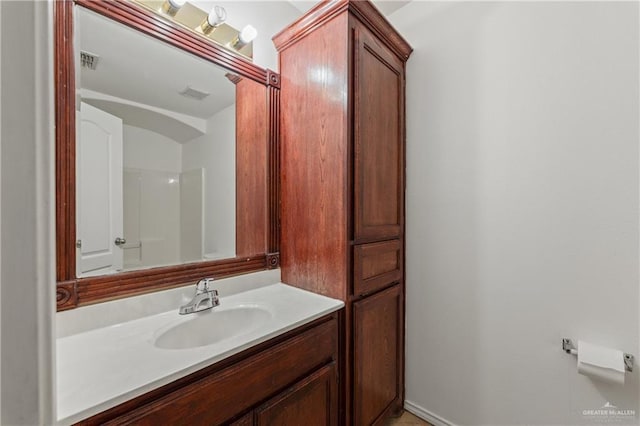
x,y
376,265
310,402
378,136
377,351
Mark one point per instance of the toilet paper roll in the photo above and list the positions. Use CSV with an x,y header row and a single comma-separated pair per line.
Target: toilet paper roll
x,y
601,363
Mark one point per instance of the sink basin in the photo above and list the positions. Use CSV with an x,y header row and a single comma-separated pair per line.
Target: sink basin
x,y
212,326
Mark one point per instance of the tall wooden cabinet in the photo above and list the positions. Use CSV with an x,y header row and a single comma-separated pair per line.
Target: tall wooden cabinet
x,y
342,71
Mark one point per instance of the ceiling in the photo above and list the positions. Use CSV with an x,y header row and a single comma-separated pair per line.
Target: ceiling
x,y
387,7
141,69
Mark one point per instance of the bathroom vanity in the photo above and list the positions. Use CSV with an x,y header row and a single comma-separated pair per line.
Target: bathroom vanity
x,y
264,356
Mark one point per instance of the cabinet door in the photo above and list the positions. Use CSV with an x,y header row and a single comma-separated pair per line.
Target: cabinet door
x,y
378,139
311,402
377,354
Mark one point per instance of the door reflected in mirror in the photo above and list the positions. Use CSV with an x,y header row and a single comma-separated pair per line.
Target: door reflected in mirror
x,y
155,152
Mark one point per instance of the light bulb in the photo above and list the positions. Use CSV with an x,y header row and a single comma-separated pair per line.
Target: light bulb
x,y
247,34
245,37
171,7
215,18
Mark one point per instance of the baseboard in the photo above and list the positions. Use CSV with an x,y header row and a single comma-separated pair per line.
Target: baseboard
x,y
426,415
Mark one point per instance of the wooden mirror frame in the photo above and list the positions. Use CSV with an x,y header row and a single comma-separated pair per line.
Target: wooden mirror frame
x,y
72,291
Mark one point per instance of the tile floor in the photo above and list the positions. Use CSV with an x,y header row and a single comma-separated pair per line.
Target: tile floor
x,y
407,419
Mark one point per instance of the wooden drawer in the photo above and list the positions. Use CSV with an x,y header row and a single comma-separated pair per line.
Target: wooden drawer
x,y
220,396
376,265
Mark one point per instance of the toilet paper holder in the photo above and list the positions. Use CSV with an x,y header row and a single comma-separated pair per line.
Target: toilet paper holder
x,y
568,347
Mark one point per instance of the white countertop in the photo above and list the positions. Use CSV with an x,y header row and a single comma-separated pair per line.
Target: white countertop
x,y
101,368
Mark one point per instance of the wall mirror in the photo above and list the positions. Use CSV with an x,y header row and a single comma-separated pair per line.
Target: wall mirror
x,y
167,158
155,152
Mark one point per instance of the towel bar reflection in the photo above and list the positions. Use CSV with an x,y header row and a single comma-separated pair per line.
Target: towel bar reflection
x,y
568,347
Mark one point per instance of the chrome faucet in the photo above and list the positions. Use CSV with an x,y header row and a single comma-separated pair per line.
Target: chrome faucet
x,y
205,298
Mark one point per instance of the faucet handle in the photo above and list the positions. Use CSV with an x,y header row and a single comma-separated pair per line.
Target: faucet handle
x,y
203,285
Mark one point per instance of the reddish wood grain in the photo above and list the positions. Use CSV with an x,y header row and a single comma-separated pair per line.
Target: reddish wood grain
x,y
324,11
314,155
342,160
274,168
65,116
376,354
378,140
369,15
252,133
108,287
66,295
376,265
310,402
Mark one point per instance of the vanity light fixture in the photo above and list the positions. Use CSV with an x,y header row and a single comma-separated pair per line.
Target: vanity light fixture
x,y
245,37
214,19
212,24
171,7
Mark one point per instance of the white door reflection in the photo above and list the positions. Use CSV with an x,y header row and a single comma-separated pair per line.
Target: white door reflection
x,y
99,204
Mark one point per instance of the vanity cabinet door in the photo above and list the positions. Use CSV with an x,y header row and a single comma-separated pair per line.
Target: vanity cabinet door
x,y
378,140
311,402
377,354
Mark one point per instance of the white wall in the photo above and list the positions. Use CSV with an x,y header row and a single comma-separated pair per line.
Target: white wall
x,y
522,206
192,215
152,167
28,254
148,150
151,218
216,153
